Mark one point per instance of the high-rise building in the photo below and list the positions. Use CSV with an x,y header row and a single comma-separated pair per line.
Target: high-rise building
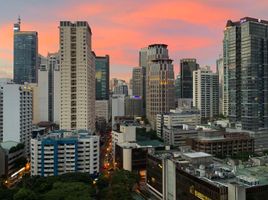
x,y
187,66
54,88
143,57
134,106
178,87
102,111
139,80
245,56
77,67
159,82
118,108
15,113
40,92
121,89
206,92
222,91
25,55
46,94
63,151
139,84
102,64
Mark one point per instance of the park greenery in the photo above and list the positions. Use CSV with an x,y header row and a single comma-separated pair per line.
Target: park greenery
x,y
116,186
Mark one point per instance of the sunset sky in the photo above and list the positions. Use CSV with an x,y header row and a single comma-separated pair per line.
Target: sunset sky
x,y
191,28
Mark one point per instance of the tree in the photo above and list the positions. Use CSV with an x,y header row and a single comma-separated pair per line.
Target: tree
x,y
7,194
25,194
125,179
69,191
118,192
102,182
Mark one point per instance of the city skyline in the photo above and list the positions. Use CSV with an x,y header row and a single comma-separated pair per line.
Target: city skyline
x,y
113,33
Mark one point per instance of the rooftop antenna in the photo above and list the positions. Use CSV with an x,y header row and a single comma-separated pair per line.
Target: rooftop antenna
x,y
19,20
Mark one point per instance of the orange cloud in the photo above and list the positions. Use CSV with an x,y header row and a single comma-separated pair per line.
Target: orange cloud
x,y
120,28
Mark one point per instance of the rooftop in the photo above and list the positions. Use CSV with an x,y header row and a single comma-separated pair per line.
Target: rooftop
x,y
8,144
197,155
245,19
66,135
142,144
218,172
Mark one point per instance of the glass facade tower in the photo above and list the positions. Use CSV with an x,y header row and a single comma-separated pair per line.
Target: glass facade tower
x,y
246,58
187,66
25,55
102,77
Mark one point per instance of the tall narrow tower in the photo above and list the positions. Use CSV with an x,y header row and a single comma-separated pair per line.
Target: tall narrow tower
x,y
25,55
245,47
159,82
77,67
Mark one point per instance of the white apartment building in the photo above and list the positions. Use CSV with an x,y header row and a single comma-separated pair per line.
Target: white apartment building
x,y
46,93
77,67
65,151
15,113
206,92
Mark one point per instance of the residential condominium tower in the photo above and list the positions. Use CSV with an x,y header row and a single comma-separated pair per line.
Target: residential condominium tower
x,y
15,113
206,93
159,82
25,55
245,48
77,67
46,94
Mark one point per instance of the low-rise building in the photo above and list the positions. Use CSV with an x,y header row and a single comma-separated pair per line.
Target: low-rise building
x,y
180,175
178,135
125,132
177,117
219,143
131,156
10,155
260,138
63,151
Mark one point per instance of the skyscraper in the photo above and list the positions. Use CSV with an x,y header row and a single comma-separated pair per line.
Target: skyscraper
x,y
178,87
53,87
121,89
143,57
187,66
25,55
222,91
46,94
77,67
102,64
206,93
138,78
245,49
159,82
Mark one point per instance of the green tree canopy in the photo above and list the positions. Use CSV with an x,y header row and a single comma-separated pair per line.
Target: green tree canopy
x,y
25,194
